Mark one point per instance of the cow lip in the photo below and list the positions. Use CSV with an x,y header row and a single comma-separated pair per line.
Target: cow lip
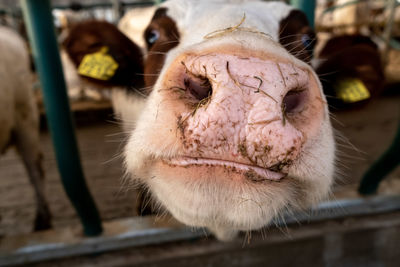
x,y
252,172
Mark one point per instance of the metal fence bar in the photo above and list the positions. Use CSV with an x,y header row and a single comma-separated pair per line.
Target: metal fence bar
x,y
131,236
387,34
39,21
109,4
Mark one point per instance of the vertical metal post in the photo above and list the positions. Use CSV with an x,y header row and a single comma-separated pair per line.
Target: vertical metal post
x,y
39,21
116,7
382,167
387,35
308,7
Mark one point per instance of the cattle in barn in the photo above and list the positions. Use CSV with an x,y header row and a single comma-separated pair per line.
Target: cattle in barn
x,y
235,128
64,20
127,94
342,13
19,117
351,70
355,17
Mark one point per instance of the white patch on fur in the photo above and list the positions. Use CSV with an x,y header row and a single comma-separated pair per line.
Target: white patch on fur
x,y
127,107
196,19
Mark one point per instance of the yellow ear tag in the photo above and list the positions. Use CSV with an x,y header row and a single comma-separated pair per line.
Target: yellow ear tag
x,y
98,65
351,90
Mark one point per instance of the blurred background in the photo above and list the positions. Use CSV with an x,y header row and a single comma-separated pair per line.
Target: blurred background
x,y
365,128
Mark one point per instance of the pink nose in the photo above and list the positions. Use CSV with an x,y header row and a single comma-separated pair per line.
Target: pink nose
x,y
243,109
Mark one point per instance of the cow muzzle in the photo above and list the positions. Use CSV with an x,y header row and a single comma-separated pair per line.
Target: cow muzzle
x,y
245,114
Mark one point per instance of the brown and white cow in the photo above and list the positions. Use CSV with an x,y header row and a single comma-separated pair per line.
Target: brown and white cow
x,y
350,56
235,128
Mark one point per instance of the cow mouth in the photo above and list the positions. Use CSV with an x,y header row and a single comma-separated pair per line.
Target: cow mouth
x,y
251,172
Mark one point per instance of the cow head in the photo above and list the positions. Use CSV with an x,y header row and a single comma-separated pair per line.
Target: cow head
x,y
235,129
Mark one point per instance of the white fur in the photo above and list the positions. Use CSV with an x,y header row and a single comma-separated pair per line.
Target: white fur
x,y
19,117
196,19
16,95
127,107
226,207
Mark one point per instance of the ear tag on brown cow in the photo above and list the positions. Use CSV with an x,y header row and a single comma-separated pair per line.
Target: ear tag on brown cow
x,y
99,65
351,90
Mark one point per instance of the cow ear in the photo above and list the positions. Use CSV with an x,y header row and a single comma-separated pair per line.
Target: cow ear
x,y
350,70
296,35
104,55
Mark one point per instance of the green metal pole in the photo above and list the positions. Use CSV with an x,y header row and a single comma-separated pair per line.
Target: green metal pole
x,y
308,7
39,21
382,167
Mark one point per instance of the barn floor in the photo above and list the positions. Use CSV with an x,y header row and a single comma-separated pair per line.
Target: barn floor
x,y
369,129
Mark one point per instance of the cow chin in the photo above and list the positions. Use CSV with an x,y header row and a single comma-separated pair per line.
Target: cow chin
x,y
223,199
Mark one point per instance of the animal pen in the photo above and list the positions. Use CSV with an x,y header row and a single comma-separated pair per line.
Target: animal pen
x,y
319,236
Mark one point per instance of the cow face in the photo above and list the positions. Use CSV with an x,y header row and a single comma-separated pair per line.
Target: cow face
x,y
235,129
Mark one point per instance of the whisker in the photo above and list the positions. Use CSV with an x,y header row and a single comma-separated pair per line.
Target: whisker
x,y
155,53
149,74
172,41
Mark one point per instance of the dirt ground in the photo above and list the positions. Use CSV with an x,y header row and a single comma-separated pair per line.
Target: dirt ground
x,y
362,136
100,145
370,130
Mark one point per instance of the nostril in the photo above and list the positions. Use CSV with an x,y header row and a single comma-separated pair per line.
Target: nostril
x,y
198,86
294,101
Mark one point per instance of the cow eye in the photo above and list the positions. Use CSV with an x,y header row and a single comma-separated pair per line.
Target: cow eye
x,y
152,37
308,42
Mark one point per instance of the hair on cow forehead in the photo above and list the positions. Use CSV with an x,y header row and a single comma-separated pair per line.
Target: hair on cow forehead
x,y
219,33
